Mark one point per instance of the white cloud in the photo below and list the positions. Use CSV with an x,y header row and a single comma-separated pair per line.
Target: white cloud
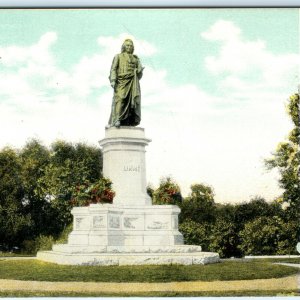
x,y
244,65
222,31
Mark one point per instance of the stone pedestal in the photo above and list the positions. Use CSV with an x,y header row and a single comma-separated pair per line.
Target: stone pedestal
x,y
124,164
130,231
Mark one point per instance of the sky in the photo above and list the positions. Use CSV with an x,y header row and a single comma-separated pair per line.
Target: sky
x,y
214,90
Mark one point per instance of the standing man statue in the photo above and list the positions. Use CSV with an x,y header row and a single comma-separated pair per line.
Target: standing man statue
x,y
125,73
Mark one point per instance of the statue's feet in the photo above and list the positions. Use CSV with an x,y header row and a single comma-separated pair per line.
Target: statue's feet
x,y
117,124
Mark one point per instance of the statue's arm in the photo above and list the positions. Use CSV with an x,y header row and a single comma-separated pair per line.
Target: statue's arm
x,y
139,69
113,71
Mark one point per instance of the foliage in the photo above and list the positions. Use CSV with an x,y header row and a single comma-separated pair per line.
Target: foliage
x,y
224,239
70,165
199,206
150,191
286,159
195,233
63,237
13,218
40,243
98,192
256,207
168,192
266,236
36,186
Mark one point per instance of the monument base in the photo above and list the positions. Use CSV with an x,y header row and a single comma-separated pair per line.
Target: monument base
x,y
183,255
108,234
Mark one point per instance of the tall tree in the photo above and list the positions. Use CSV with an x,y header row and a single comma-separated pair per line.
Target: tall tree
x,y
70,165
36,186
286,159
199,206
34,158
13,218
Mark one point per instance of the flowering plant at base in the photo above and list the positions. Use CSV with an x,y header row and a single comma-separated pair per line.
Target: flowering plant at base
x,y
167,193
92,193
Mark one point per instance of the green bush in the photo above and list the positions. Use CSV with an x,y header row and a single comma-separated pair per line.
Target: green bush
x,y
224,239
195,233
199,206
40,243
99,192
63,238
168,192
268,236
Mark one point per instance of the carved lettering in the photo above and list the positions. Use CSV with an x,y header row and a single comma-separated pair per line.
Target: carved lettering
x,y
132,168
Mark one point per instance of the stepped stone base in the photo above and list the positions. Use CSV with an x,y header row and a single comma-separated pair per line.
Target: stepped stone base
x,y
126,235
183,255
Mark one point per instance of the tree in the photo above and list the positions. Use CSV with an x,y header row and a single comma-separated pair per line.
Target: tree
x,y
36,188
34,158
195,233
224,238
268,236
256,207
199,206
286,159
13,218
69,166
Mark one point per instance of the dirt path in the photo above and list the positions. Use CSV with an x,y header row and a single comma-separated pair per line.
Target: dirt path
x,y
290,283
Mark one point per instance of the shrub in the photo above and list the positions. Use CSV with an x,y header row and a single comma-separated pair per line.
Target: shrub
x,y
199,206
168,192
40,243
63,238
99,192
224,239
268,236
195,233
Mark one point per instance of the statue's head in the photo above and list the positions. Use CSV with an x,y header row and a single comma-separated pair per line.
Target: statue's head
x,y
127,46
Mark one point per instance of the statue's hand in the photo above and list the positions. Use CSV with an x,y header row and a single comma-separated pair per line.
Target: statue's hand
x,y
113,84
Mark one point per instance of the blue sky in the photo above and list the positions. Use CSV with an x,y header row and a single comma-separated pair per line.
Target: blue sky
x,y
213,93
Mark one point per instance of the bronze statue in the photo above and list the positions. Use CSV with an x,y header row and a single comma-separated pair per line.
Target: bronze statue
x,y
125,73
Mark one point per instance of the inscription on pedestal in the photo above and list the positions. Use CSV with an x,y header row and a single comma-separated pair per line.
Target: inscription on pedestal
x,y
132,168
98,222
114,221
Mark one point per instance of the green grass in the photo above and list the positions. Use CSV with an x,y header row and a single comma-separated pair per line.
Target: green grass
x,y
152,294
287,260
226,270
9,254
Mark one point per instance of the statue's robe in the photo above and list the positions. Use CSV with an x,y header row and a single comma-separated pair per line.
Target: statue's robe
x,y
126,70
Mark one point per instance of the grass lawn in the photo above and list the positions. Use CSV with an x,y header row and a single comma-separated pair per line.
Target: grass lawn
x,y
295,260
9,254
152,294
226,270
